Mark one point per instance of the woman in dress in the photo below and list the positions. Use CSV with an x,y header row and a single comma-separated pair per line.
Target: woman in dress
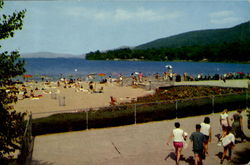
x,y
178,136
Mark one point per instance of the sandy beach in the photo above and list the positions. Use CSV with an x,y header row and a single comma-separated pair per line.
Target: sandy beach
x,y
56,99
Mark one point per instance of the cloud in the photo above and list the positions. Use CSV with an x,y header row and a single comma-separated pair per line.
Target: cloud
x,y
223,17
74,11
144,15
120,14
225,20
220,14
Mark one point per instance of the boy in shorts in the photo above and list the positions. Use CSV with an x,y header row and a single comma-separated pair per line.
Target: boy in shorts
x,y
198,139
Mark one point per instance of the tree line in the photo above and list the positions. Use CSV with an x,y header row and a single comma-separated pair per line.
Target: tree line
x,y
225,52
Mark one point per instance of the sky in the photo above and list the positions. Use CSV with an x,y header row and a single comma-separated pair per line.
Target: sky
x,y
80,26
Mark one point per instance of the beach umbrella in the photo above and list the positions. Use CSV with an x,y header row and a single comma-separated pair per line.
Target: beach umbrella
x,y
27,76
169,66
240,73
101,74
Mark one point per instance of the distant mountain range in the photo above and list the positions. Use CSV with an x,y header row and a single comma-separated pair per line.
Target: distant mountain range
x,y
239,33
214,45
49,55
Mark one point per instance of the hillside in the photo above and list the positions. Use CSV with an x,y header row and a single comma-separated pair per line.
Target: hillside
x,y
218,45
239,33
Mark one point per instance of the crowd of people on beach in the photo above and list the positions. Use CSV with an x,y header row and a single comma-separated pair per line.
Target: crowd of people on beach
x,y
134,80
200,76
139,77
203,135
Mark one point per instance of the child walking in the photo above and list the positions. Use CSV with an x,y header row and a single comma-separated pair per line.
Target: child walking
x,y
178,136
198,140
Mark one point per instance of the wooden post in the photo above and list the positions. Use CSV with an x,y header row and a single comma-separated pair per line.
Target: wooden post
x,y
212,104
135,113
87,120
176,108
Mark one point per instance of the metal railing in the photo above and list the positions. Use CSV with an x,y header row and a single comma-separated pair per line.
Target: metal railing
x,y
134,113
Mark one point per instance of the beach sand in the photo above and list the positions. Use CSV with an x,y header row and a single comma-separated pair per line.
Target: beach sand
x,y
75,98
80,99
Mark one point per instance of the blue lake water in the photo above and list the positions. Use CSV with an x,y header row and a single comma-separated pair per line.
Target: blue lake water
x,y
80,67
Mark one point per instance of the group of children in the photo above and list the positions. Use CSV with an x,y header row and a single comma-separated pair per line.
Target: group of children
x,y
203,135
199,139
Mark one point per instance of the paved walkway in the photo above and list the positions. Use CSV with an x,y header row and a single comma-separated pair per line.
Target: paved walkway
x,y
141,144
241,83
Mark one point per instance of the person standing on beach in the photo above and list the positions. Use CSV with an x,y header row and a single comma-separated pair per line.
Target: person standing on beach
x,y
178,136
198,140
32,94
224,121
121,80
140,75
207,132
91,87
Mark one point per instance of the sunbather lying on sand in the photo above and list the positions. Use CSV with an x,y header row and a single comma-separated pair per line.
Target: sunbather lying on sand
x,y
113,101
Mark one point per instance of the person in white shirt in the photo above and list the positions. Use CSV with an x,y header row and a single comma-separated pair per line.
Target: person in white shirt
x,y
207,132
228,142
178,136
224,121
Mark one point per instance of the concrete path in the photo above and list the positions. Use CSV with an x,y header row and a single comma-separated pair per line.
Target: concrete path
x,y
243,83
141,144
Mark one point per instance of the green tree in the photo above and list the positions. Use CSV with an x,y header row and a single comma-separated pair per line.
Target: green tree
x,y
11,122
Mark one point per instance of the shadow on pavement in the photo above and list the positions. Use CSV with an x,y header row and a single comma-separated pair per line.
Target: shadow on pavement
x,y
40,162
171,155
219,155
242,157
190,160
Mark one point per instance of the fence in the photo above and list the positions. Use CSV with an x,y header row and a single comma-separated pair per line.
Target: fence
x,y
79,119
25,156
